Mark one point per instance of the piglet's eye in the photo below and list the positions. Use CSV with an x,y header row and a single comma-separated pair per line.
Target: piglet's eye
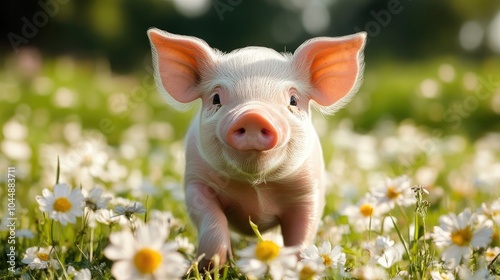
x,y
216,99
293,101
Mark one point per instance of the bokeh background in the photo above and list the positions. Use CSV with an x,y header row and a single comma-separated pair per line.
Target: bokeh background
x,y
76,84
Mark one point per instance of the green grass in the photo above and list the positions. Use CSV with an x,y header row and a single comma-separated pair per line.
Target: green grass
x,y
79,110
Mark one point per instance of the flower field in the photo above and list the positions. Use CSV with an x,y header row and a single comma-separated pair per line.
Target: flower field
x,y
92,164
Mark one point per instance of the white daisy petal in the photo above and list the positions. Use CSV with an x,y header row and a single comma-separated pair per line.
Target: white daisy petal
x,y
482,237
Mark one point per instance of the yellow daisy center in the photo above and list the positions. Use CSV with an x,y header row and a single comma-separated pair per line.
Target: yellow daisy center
x,y
366,210
147,260
62,204
267,251
490,255
462,237
327,261
495,213
42,256
392,193
87,160
307,273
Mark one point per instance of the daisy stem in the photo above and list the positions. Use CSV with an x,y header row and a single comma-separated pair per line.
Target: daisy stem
x,y
58,171
52,232
146,214
491,265
401,238
61,264
403,212
91,248
415,231
370,228
420,225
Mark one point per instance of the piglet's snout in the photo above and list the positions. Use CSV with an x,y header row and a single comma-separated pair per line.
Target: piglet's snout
x,y
252,131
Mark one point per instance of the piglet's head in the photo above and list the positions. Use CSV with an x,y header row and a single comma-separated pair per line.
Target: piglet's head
x,y
254,119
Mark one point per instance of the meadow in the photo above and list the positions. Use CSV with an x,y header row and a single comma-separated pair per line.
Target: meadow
x,y
92,165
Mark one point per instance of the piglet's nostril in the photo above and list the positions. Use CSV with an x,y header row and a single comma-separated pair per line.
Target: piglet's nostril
x,y
241,131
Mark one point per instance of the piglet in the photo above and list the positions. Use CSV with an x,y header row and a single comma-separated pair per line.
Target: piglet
x,y
252,150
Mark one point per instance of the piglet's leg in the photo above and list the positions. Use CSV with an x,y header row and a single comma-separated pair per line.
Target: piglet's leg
x,y
213,232
299,225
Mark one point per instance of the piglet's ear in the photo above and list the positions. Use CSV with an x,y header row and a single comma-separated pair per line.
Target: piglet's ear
x,y
178,61
334,67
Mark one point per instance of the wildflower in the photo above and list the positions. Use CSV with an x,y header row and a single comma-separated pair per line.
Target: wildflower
x,y
83,274
330,258
458,235
492,212
94,201
114,172
267,257
164,218
306,270
366,215
64,205
145,255
329,230
394,192
491,253
481,274
40,258
107,217
384,252
92,157
184,245
130,209
442,275
370,272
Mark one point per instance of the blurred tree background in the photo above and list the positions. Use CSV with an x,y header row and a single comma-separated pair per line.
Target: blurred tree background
x,y
117,29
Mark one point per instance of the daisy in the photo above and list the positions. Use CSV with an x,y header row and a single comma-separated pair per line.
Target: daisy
x,y
144,255
458,235
384,251
370,272
396,191
366,215
481,274
267,257
130,209
63,205
91,157
107,217
325,255
93,203
164,218
306,270
328,230
184,245
40,258
94,199
491,253
442,275
83,274
493,211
